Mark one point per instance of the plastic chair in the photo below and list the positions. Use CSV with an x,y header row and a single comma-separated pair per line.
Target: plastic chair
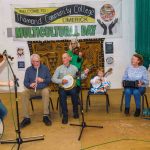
x,y
88,101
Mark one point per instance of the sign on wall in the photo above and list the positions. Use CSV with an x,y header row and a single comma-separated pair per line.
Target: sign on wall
x,y
67,20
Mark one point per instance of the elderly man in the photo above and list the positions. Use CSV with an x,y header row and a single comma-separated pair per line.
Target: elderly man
x,y
36,81
61,71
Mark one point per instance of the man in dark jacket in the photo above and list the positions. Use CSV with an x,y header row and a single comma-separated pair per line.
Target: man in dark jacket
x,y
36,81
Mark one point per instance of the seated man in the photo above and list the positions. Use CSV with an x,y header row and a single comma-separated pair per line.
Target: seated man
x,y
61,71
36,81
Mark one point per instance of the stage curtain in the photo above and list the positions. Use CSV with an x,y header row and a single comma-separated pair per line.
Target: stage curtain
x,y
142,29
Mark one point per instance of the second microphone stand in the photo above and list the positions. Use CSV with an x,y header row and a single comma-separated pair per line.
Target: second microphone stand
x,y
83,123
19,140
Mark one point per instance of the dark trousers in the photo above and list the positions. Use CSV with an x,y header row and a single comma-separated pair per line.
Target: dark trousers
x,y
63,100
78,89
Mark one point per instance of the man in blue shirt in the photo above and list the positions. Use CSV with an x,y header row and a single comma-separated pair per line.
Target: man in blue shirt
x,y
36,81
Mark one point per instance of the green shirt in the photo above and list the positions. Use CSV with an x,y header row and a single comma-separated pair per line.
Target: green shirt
x,y
76,63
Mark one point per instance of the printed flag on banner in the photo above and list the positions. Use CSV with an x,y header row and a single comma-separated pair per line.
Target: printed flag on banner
x,y
67,20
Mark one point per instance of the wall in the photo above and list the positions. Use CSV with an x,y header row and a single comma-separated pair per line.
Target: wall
x,y
123,47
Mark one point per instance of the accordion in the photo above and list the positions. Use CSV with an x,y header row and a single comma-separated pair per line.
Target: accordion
x,y
130,84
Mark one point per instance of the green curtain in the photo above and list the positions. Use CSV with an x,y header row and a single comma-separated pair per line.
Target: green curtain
x,y
142,29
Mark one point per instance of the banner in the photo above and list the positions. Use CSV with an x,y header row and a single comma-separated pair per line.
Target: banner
x,y
67,20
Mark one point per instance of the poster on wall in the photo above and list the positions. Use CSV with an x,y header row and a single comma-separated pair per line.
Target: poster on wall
x,y
59,21
20,59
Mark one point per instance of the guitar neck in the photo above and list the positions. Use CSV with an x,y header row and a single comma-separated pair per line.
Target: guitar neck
x,y
107,72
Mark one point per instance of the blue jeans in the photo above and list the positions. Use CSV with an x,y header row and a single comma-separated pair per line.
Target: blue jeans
x,y
136,92
3,110
63,100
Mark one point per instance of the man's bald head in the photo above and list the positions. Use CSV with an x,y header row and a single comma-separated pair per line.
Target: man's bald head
x,y
66,59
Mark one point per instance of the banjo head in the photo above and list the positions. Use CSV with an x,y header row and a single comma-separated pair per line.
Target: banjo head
x,y
71,82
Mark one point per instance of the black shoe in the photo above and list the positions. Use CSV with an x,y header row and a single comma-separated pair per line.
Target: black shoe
x,y
76,116
65,120
126,111
47,121
25,122
137,113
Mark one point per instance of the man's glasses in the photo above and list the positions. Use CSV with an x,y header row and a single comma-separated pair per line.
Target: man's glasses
x,y
35,61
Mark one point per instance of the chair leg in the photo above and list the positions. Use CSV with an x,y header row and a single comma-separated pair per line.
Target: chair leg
x,y
107,103
108,100
60,109
58,106
49,109
31,104
142,106
146,100
57,103
87,102
51,102
122,101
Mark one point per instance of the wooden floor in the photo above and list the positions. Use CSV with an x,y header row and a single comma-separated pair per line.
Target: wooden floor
x,y
119,132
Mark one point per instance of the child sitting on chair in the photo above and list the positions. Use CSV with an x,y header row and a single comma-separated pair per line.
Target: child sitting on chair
x,y
99,83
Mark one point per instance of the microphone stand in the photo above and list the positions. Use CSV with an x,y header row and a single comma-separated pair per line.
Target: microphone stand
x,y
19,140
83,123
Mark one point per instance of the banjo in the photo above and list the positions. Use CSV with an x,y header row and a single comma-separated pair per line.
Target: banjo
x,y
71,80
